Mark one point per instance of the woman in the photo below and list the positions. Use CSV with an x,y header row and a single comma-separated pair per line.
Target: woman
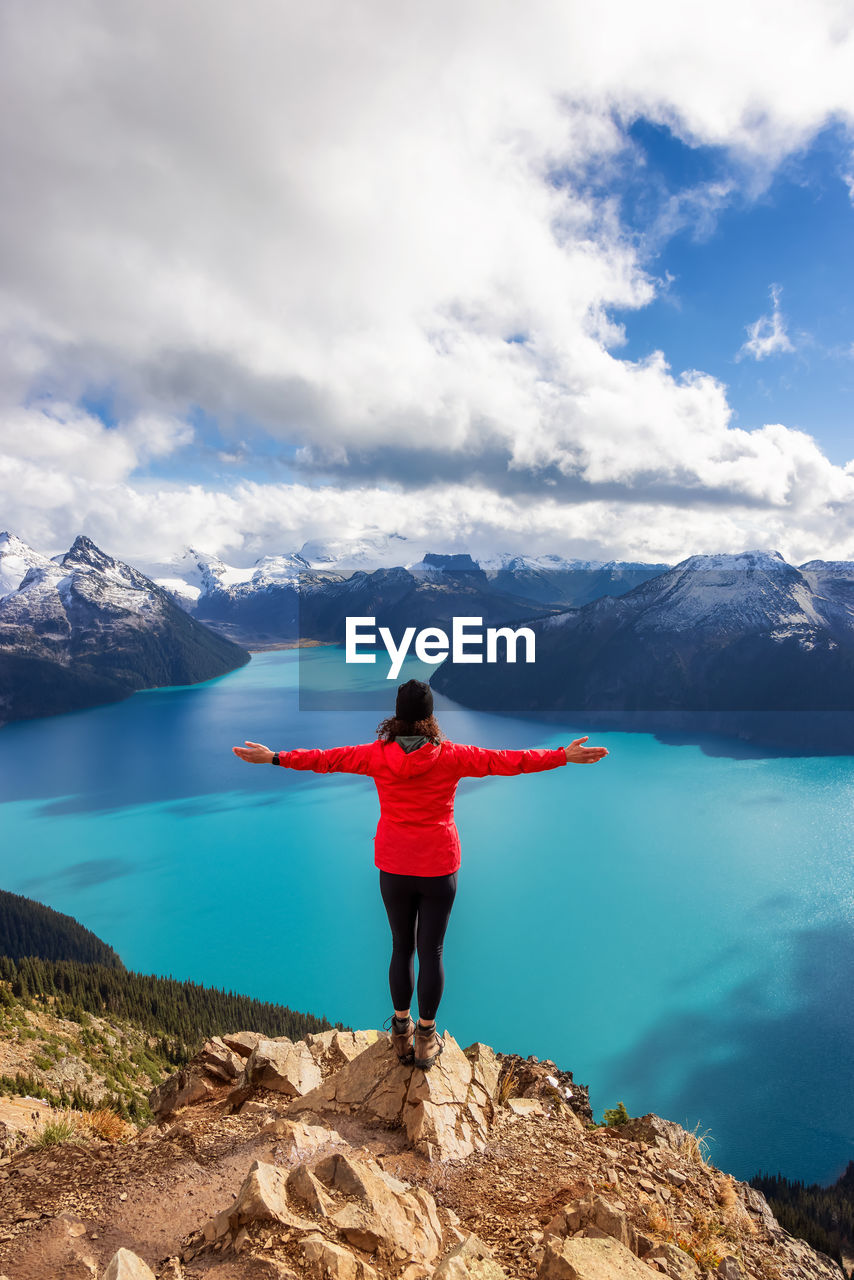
x,y
417,846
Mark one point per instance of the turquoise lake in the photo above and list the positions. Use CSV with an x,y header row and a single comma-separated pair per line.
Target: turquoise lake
x,y
673,926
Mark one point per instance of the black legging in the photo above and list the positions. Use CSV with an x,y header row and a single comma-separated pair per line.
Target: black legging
x,y
418,910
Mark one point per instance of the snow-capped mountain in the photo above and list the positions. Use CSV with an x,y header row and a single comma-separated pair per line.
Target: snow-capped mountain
x,y
256,603
193,574
259,603
554,580
753,591
551,564
16,558
715,633
83,628
371,551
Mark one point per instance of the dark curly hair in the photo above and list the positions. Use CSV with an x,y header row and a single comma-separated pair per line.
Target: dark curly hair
x,y
389,729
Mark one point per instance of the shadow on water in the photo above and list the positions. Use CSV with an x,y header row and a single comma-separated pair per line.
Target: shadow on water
x,y
170,747
84,875
742,735
775,1076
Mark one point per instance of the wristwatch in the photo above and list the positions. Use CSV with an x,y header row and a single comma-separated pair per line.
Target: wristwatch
x,y
276,759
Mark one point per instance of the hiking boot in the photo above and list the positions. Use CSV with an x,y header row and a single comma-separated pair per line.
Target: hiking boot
x,y
402,1032
427,1045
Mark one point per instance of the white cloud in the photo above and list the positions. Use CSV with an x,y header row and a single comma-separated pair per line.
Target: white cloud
x,y
806,510
329,220
767,336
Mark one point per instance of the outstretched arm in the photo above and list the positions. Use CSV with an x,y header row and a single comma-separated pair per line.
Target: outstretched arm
x,y
478,762
334,760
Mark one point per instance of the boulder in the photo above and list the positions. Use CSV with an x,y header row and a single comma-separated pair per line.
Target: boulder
x,y
485,1065
657,1132
332,1261
677,1264
297,1140
759,1209
242,1042
262,1197
283,1065
213,1066
216,1059
446,1111
181,1089
304,1188
728,1269
589,1213
125,1265
332,1050
585,1258
379,1212
526,1107
471,1259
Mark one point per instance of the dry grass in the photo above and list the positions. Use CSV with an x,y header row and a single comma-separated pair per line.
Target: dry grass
x,y
725,1193
733,1213
506,1086
106,1124
695,1146
710,1239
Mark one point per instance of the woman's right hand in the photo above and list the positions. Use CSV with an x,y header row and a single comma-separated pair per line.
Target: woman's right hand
x,y
576,754
254,753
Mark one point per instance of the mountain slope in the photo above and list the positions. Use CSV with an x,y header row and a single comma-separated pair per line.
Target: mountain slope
x,y
85,628
719,634
29,928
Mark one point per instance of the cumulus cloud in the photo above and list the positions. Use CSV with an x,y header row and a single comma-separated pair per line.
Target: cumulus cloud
x,y
806,511
767,336
367,231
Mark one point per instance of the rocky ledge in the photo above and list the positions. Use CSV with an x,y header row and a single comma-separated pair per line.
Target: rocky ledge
x,y
325,1158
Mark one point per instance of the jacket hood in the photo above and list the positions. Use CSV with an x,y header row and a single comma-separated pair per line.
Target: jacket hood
x,y
407,760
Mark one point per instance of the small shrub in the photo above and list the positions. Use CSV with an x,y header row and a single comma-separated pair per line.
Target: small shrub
x,y
106,1124
656,1218
616,1115
707,1255
63,1128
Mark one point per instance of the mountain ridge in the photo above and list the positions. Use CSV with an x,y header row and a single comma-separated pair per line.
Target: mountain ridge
x,y
83,628
324,1157
736,635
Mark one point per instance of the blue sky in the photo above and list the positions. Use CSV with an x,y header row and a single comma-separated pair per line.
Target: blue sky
x,y
797,233
578,285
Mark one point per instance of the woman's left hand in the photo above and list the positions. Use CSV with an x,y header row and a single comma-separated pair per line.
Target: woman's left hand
x,y
254,753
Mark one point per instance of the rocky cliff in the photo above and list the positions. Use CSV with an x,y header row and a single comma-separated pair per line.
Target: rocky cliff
x,y
326,1158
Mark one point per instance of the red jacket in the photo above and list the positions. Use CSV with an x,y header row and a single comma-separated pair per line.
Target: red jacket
x,y
416,834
